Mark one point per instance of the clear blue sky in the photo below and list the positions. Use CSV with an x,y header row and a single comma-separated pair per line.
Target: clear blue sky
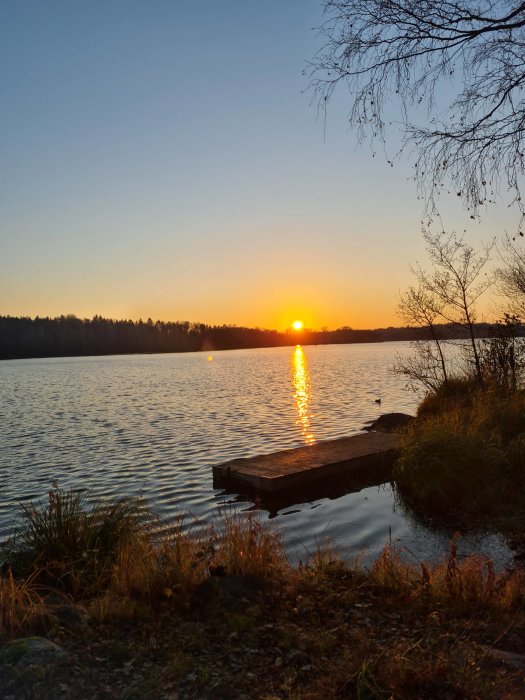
x,y
162,159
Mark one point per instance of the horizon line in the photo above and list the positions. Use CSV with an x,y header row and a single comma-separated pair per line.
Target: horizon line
x,y
290,329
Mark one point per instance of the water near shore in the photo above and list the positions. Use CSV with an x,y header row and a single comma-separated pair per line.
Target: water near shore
x,y
157,423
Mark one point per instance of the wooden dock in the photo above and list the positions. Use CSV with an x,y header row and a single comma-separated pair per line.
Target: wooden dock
x,y
293,468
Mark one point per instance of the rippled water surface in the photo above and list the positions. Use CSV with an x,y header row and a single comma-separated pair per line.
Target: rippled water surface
x,y
157,423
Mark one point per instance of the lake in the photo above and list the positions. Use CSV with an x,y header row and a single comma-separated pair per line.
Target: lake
x,y
155,424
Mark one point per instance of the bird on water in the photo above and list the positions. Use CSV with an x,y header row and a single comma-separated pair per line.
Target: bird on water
x,y
377,401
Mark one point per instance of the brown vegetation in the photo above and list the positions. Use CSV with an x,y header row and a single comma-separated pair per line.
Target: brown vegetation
x,y
160,626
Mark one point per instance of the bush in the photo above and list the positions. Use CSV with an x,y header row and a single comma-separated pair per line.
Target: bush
x,y
457,392
465,453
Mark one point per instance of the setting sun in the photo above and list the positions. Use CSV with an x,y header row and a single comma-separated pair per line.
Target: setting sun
x,y
297,325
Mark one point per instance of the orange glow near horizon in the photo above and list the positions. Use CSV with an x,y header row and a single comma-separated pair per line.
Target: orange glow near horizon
x,y
302,391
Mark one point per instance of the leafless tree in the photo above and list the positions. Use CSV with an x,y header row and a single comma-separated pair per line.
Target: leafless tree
x,y
423,367
502,354
511,277
448,293
419,307
463,62
458,279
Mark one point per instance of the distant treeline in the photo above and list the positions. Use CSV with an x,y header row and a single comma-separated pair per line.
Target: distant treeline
x,y
69,335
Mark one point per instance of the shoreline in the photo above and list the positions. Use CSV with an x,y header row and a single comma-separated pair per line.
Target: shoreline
x,y
252,626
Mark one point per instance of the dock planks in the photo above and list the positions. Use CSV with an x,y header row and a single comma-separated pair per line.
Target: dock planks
x,y
289,468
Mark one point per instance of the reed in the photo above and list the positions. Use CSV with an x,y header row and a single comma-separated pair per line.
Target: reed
x,y
96,547
174,563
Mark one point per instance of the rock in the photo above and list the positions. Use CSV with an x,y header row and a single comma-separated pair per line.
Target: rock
x,y
71,616
390,423
297,657
508,657
229,591
31,651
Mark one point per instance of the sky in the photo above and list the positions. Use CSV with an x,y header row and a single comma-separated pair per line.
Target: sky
x,y
164,159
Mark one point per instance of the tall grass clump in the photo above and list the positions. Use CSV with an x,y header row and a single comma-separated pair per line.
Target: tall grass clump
x,y
21,607
463,585
464,455
182,557
73,541
243,545
170,566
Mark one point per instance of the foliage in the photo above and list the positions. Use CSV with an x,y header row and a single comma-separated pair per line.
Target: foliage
x,y
465,57
457,393
68,335
95,546
466,585
181,557
511,277
399,630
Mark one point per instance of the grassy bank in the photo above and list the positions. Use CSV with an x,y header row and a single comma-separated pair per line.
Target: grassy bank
x,y
463,458
219,612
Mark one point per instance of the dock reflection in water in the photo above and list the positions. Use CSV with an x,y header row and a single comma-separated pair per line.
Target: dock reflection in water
x,y
331,489
302,390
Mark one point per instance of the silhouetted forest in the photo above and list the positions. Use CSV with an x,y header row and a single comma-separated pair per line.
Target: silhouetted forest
x,y
69,335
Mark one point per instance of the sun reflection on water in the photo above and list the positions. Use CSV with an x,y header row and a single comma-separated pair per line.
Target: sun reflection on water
x,y
302,391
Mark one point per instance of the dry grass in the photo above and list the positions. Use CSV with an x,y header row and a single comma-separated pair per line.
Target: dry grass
x,y
142,565
460,585
169,566
243,545
464,457
72,541
21,607
430,668
324,629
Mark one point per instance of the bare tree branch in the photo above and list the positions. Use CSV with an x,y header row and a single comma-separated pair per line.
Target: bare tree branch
x,y
467,56
448,293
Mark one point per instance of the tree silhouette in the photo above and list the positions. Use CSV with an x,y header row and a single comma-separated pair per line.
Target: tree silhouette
x,y
456,67
447,293
69,336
